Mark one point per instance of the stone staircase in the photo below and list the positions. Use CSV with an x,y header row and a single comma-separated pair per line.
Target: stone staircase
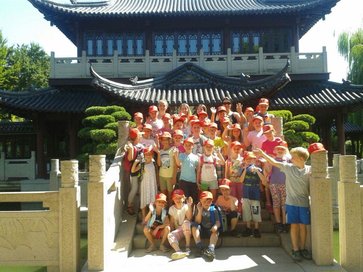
x,y
269,238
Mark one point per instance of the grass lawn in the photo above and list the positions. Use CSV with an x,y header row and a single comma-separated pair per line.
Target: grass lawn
x,y
83,252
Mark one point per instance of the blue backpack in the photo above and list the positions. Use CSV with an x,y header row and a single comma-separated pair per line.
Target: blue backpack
x,y
221,216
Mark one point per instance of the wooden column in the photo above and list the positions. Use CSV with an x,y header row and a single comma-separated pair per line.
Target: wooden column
x,y
340,133
40,156
72,134
326,138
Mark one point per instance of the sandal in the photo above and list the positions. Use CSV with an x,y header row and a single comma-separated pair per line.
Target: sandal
x,y
130,210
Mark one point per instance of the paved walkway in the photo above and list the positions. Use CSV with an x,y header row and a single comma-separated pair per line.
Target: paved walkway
x,y
228,259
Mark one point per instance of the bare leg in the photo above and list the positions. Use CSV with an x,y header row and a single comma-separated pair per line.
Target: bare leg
x,y
302,241
166,232
283,215
234,222
277,215
149,237
294,234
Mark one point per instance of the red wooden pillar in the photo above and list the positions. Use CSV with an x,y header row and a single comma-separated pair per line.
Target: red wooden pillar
x,y
40,156
341,133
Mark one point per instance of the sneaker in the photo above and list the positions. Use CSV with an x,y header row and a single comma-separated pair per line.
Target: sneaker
x,y
209,255
286,228
178,255
256,233
235,233
247,232
279,227
306,254
151,248
163,248
187,251
296,256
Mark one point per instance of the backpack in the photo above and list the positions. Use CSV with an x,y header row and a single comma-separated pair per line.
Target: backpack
x,y
221,216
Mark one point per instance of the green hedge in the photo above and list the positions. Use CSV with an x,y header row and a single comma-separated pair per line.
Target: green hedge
x,y
95,110
84,133
87,148
309,137
121,115
113,108
113,126
305,117
296,125
102,135
107,149
285,114
98,121
292,138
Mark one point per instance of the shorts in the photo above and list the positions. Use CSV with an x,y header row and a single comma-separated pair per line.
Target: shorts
x,y
297,215
165,184
278,193
159,234
211,185
204,232
230,216
251,210
176,235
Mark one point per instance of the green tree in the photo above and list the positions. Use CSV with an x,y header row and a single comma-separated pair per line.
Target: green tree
x,y
3,56
350,46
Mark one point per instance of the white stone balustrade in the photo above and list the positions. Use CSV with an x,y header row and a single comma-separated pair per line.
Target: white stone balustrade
x,y
226,65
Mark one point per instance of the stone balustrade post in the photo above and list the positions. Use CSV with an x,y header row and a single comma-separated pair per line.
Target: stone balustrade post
x,y
321,210
54,175
350,215
261,61
277,123
123,133
69,219
96,241
335,177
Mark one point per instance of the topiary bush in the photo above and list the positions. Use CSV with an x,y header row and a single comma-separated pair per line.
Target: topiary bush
x,y
285,114
99,133
296,125
309,137
305,117
292,138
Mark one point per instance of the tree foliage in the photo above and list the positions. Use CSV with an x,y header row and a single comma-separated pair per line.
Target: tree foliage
x,y
23,67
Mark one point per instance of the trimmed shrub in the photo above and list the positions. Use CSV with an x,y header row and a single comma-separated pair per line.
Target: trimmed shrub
x,y
102,135
113,126
285,114
305,117
84,133
121,115
293,139
309,137
98,121
87,148
95,110
107,149
297,125
113,108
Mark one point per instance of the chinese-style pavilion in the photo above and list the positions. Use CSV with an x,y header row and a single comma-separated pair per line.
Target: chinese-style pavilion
x,y
183,51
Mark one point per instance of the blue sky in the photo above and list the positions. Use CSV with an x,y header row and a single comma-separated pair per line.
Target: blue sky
x,y
21,23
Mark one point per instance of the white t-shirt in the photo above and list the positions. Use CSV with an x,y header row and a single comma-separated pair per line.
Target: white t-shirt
x,y
178,214
256,138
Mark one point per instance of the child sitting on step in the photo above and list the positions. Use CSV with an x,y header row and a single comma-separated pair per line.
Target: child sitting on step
x,y
181,214
157,223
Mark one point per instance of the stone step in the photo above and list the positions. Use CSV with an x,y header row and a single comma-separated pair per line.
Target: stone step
x,y
266,240
265,227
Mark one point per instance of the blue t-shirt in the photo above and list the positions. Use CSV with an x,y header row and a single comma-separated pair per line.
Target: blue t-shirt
x,y
189,164
251,184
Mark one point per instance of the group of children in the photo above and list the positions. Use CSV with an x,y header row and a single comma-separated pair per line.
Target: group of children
x,y
188,166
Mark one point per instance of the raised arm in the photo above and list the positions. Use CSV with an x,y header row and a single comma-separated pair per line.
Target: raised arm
x,y
268,158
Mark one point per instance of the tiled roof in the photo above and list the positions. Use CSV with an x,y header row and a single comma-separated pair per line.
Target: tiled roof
x,y
52,100
192,84
182,7
318,94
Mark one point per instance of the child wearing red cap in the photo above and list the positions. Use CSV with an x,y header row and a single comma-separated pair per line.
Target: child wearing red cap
x,y
133,151
297,198
198,138
229,205
207,172
181,214
252,177
139,120
165,161
157,223
254,138
154,121
206,225
148,185
263,106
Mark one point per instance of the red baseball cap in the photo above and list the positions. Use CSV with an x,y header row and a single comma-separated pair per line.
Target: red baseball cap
x,y
165,134
160,197
189,140
213,125
138,114
236,126
178,118
205,195
202,113
268,128
196,122
208,142
148,126
236,143
178,132
282,144
257,117
166,116
153,108
316,147
148,149
133,133
225,183
177,193
249,155
264,101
